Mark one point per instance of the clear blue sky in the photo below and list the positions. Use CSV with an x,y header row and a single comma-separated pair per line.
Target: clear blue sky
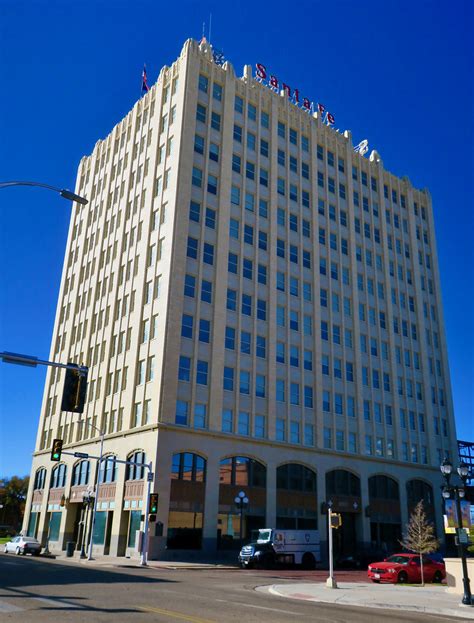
x,y
398,73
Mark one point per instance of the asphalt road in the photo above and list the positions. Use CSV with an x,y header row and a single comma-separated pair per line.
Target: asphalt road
x,y
41,590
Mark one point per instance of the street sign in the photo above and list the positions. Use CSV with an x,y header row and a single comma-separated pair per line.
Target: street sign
x,y
150,477
81,455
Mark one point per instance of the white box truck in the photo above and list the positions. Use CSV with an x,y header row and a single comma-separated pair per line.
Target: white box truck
x,y
289,547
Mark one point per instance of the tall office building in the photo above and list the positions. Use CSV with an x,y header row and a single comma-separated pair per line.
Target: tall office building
x,y
260,309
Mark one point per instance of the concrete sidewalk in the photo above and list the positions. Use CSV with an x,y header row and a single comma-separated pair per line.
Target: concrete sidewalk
x,y
428,599
112,561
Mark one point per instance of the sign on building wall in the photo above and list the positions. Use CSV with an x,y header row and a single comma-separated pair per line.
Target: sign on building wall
x,y
272,82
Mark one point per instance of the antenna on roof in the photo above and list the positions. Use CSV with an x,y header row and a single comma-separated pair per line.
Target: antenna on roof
x,y
210,26
203,30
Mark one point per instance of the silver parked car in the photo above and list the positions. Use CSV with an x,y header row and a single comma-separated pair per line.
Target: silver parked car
x,y
23,545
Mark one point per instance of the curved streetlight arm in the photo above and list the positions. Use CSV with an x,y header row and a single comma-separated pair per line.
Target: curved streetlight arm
x,y
67,194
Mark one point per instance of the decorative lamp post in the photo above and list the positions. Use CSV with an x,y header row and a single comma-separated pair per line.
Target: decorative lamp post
x,y
241,501
87,499
458,492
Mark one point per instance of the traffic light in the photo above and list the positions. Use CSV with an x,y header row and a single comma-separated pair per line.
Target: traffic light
x,y
56,449
153,503
336,520
75,388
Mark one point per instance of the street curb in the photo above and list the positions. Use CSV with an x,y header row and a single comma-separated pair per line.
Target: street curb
x,y
273,589
136,565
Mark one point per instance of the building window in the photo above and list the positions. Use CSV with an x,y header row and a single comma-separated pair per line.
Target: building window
x,y
227,421
199,415
187,326
244,423
184,372
228,381
203,83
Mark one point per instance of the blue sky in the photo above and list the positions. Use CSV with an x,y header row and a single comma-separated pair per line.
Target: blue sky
x,y
395,72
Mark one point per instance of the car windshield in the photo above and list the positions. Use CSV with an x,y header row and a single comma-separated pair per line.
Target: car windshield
x,y
264,536
401,560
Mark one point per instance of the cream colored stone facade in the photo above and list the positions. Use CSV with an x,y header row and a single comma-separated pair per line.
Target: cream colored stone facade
x,y
121,305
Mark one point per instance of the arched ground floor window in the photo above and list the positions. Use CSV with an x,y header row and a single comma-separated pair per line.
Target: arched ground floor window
x,y
240,474
186,513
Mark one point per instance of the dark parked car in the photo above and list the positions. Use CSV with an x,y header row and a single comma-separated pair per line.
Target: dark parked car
x,y
359,560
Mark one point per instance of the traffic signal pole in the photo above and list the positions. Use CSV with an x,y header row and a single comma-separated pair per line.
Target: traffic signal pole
x,y
75,384
330,582
30,360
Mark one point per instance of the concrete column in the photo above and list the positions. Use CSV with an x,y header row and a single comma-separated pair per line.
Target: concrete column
x,y
211,506
271,497
403,503
364,500
157,544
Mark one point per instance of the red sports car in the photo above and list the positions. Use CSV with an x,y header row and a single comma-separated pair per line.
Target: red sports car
x,y
405,568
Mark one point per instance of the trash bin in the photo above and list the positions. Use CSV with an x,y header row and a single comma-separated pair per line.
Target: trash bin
x,y
70,547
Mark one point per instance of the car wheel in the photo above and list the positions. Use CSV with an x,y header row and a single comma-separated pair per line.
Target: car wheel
x,y
18,551
376,581
308,561
402,577
5,549
268,561
437,578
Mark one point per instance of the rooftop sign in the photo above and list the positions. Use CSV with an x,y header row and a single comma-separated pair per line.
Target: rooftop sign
x,y
273,83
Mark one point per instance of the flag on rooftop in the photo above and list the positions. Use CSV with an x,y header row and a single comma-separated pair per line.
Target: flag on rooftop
x,y
145,86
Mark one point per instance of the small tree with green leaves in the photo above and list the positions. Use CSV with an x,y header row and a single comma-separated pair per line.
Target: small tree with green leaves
x,y
420,536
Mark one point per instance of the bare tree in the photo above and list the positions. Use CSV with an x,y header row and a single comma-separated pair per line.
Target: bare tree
x,y
420,536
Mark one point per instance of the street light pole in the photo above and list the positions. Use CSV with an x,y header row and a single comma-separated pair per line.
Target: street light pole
x,y
241,500
66,194
459,492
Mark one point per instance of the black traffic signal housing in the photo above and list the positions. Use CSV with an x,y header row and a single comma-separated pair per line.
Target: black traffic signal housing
x,y
75,388
153,509
56,449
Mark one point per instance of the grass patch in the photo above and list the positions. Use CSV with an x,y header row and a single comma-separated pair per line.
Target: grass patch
x,y
5,539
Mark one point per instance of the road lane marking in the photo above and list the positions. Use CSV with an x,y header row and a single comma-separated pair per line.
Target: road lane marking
x,y
176,615
238,603
5,607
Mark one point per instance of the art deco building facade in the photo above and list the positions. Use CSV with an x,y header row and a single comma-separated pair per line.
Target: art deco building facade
x,y
260,310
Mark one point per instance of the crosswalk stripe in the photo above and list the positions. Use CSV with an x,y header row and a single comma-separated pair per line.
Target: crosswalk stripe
x,y
6,607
